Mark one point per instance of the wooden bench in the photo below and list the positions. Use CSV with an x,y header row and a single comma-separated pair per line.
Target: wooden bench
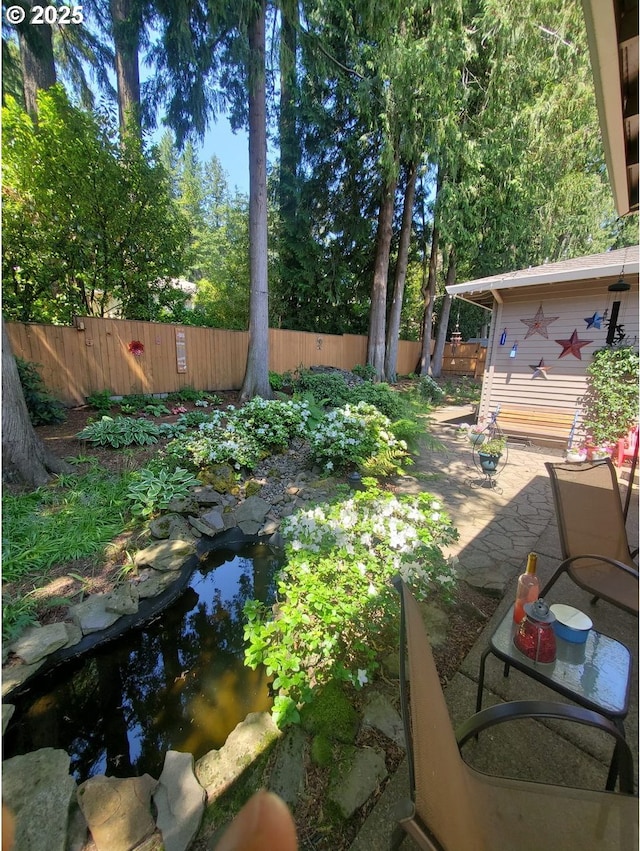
x,y
546,426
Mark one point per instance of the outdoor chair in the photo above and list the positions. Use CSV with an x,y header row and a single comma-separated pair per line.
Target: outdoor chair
x,y
454,807
593,537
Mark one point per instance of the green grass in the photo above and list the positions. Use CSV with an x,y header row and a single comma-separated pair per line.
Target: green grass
x,y
61,522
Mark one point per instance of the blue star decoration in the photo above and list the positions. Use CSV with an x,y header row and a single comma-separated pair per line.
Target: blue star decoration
x,y
594,321
539,369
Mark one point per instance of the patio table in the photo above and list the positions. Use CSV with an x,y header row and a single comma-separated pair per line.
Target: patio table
x,y
595,674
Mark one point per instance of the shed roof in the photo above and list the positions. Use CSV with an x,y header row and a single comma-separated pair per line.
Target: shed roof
x,y
592,266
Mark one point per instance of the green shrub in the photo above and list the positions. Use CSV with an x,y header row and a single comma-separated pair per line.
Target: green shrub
x,y
367,372
335,598
610,405
42,407
119,432
151,491
386,400
184,394
429,390
156,409
327,388
100,400
17,615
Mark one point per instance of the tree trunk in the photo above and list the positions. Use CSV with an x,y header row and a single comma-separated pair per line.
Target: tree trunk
x,y
429,296
24,456
36,59
393,329
438,352
125,18
256,378
377,315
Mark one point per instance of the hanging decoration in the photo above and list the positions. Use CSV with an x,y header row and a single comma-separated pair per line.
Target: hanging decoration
x,y
538,324
539,369
514,350
136,348
572,346
503,337
594,321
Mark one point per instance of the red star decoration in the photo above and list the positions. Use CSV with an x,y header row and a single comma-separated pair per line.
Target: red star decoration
x,y
572,346
538,325
539,369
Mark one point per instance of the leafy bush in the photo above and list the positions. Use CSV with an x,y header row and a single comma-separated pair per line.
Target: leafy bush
x,y
119,432
184,394
386,400
357,436
100,400
156,409
274,423
334,592
610,405
17,615
429,390
151,491
366,372
193,419
327,388
171,430
42,407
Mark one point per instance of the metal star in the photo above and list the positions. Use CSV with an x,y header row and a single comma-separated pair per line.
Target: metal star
x,y
540,369
538,324
594,321
572,346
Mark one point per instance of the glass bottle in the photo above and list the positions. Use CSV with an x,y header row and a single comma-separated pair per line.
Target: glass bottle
x,y
535,636
528,587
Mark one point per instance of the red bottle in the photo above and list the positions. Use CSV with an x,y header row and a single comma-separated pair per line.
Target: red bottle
x,y
528,588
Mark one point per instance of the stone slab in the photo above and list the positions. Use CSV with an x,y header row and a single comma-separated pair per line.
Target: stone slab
x,y
39,791
118,811
165,555
37,642
288,772
91,615
179,799
355,777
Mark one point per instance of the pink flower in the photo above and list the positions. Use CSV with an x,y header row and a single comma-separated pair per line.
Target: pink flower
x,y
178,409
136,348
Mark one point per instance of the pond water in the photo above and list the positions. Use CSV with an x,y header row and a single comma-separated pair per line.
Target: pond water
x,y
177,683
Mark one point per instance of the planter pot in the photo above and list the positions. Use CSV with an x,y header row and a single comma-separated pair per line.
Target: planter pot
x,y
476,438
576,455
599,453
489,463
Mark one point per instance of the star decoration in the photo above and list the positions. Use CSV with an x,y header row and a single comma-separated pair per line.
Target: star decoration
x,y
594,321
538,324
572,346
539,369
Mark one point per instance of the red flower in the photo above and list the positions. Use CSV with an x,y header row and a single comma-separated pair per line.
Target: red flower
x,y
136,348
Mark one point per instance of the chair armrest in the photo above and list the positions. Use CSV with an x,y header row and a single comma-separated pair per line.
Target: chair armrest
x,y
631,570
541,709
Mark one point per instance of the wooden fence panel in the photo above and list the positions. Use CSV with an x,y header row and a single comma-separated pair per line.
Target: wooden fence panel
x,y
94,355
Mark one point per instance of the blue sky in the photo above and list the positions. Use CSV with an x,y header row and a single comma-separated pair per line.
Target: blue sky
x,y
232,149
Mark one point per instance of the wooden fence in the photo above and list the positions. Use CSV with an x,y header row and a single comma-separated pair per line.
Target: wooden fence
x,y
95,354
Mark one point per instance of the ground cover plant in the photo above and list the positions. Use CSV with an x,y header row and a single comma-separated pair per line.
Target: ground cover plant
x,y
120,431
41,405
334,597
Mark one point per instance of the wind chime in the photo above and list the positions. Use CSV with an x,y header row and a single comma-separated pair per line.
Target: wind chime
x,y
456,339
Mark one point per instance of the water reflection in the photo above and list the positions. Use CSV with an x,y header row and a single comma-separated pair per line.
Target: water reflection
x,y
178,683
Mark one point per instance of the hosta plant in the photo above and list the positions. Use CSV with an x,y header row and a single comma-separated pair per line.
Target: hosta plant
x,y
151,491
335,600
120,431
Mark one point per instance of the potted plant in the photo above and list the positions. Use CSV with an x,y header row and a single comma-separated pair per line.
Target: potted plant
x,y
576,453
477,433
490,453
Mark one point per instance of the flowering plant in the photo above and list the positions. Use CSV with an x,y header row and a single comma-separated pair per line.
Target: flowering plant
x,y
136,347
178,409
334,592
357,436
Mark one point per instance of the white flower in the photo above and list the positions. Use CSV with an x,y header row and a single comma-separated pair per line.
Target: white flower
x,y
362,677
372,590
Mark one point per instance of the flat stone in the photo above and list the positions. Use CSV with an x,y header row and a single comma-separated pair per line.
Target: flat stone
x,y
253,510
436,622
91,615
230,520
206,495
270,527
214,519
37,642
17,674
165,555
173,526
74,634
123,600
288,772
356,777
180,800
38,789
183,505
217,770
203,528
154,584
7,711
250,527
380,714
118,811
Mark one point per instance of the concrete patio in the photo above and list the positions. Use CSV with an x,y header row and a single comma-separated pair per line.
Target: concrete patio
x,y
498,527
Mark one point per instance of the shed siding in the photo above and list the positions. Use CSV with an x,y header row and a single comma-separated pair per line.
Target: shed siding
x,y
510,382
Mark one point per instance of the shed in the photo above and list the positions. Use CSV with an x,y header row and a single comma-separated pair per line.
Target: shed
x,y
547,321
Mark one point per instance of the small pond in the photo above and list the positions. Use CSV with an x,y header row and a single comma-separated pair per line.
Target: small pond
x,y
177,683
